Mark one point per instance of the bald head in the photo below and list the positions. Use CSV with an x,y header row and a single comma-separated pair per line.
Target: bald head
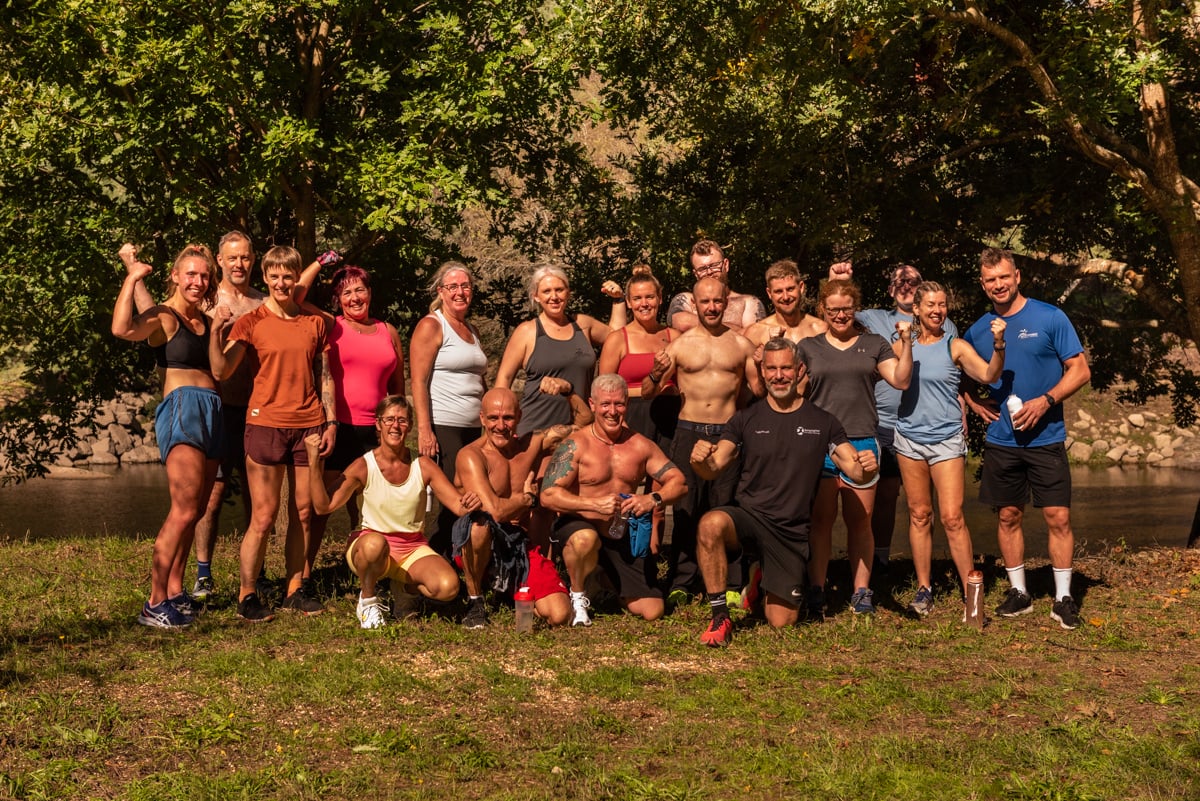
x,y
500,398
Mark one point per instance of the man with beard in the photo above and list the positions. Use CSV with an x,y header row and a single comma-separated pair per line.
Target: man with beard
x,y
711,365
499,468
1025,452
593,482
785,289
781,445
708,261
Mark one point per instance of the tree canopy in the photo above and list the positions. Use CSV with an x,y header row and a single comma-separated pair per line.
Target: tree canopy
x,y
895,131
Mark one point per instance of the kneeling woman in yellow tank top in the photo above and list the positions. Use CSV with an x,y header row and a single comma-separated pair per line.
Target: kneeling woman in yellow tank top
x,y
391,543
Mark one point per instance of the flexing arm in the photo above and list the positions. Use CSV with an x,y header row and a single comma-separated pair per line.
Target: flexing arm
x,y
898,371
971,363
561,475
664,368
859,466
612,353
125,325
710,459
616,319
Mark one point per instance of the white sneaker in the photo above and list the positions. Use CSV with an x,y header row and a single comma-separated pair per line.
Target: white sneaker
x,y
582,605
371,613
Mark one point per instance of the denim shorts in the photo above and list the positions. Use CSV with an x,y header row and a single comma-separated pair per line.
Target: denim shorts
x,y
190,416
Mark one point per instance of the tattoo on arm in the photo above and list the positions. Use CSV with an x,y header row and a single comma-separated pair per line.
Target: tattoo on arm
x,y
327,394
560,463
666,468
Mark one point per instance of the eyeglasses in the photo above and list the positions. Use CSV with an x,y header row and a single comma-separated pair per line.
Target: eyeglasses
x,y
841,311
456,287
392,421
711,267
907,282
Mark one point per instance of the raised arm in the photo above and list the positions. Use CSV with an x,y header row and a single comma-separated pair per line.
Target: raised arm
x,y
971,363
125,324
612,353
309,275
142,299
898,371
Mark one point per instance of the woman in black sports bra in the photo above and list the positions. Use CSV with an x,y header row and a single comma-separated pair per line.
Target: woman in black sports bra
x,y
189,415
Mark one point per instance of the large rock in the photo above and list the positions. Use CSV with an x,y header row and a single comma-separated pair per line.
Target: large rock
x,y
121,441
1115,454
104,457
1084,417
1101,445
104,416
1080,451
142,454
1137,420
1162,440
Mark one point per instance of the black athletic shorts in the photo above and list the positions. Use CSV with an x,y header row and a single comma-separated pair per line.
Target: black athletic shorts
x,y
889,465
784,560
1012,475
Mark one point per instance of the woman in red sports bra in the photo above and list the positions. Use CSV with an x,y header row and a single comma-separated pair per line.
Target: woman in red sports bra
x,y
629,352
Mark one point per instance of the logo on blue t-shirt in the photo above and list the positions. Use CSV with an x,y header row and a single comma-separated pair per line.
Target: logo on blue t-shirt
x,y
1027,334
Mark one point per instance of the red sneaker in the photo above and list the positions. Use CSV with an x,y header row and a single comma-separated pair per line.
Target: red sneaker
x,y
719,633
752,592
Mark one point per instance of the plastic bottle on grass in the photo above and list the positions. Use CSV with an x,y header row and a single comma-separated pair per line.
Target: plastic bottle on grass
x,y
974,611
523,601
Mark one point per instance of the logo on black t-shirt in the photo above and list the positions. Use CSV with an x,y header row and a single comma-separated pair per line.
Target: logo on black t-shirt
x,y
802,431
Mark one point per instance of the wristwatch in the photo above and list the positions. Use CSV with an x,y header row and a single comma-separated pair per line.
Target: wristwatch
x,y
1049,399
658,501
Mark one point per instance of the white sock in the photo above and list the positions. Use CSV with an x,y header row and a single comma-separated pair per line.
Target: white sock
x,y
1062,582
1016,577
474,597
577,595
364,601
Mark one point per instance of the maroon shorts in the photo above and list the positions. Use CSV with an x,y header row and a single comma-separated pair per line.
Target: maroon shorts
x,y
275,446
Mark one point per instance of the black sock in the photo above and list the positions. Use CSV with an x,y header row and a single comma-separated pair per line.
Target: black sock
x,y
720,607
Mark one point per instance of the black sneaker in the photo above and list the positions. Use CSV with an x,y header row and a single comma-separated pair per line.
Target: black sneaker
x,y
816,604
476,616
300,601
1066,612
1015,603
252,609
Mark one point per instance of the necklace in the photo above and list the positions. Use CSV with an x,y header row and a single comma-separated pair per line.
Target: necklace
x,y
592,427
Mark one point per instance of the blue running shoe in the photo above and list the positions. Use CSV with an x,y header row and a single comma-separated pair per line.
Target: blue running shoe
x,y
922,602
860,602
186,604
163,615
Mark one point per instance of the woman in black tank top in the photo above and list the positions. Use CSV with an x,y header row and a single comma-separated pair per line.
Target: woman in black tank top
x,y
188,421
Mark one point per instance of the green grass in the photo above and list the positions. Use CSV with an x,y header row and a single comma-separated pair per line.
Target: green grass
x,y
93,706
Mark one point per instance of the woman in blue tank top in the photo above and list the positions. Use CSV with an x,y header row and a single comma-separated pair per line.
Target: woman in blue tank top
x,y
930,443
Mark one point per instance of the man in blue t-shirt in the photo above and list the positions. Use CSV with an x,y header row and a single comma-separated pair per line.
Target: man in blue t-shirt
x,y
1026,449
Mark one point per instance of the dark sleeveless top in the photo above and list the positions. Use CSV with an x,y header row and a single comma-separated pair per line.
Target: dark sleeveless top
x,y
573,359
187,350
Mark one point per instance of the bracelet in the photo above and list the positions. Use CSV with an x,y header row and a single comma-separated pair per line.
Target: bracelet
x,y
533,500
1000,347
333,423
655,378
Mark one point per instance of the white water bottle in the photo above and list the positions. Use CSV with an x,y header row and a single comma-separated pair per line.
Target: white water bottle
x,y
1014,405
974,613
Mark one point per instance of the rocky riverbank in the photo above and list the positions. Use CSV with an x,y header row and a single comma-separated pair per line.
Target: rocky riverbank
x,y
121,432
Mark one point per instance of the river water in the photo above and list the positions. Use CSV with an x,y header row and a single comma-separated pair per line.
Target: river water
x,y
1141,507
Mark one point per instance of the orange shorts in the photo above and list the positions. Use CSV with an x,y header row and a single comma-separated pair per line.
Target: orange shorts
x,y
404,549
